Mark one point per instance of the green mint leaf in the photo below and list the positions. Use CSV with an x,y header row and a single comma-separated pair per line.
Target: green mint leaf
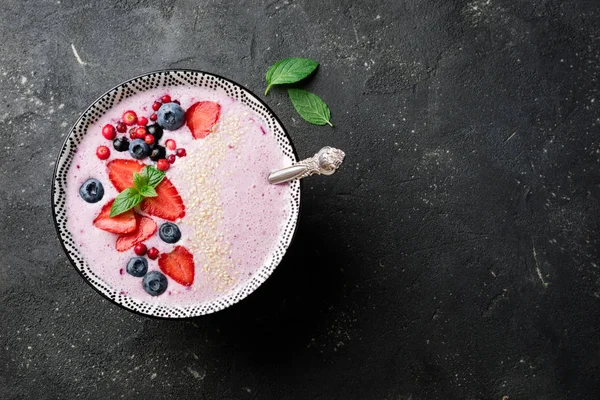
x,y
310,107
148,191
289,70
139,181
126,200
154,176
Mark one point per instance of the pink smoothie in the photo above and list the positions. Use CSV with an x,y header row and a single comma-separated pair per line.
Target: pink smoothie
x,y
234,217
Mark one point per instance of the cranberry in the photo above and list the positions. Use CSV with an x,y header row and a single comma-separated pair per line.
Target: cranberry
x,y
140,249
171,158
129,118
153,117
142,121
156,105
153,253
180,152
171,145
149,139
121,127
109,132
103,152
162,164
141,132
165,99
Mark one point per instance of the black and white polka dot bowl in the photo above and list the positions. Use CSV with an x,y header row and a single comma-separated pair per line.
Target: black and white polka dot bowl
x,y
167,78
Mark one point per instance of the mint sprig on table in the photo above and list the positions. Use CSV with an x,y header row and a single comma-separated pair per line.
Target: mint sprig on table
x,y
308,105
144,185
289,70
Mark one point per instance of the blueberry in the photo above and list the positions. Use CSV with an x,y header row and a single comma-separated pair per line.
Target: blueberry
x,y
171,116
158,152
139,149
155,283
169,232
155,130
92,190
121,143
137,266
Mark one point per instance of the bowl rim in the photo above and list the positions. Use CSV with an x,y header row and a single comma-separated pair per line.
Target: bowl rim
x,y
55,171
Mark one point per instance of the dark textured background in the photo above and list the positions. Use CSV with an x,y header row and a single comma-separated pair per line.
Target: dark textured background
x,y
454,256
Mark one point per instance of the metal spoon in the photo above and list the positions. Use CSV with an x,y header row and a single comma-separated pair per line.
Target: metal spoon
x,y
325,162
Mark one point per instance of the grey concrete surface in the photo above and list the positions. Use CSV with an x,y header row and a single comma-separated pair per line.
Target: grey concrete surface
x,y
454,256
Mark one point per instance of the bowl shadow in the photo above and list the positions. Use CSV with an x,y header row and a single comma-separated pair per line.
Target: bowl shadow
x,y
286,311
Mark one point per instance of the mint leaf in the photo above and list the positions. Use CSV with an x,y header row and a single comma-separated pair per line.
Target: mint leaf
x,y
125,201
148,191
310,107
154,176
143,186
289,70
139,181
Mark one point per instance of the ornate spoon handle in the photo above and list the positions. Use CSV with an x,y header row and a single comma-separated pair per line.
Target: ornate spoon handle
x,y
325,162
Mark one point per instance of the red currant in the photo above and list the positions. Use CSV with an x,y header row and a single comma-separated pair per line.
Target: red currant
x,y
165,99
103,152
171,145
171,158
156,105
109,132
141,132
180,152
140,249
153,253
162,164
129,118
149,139
121,127
132,133
153,117
142,121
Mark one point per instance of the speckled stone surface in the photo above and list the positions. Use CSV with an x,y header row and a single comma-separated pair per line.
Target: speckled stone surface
x,y
454,256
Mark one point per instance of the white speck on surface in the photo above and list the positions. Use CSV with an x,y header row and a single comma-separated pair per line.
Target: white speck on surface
x,y
23,80
153,376
197,374
537,267
79,60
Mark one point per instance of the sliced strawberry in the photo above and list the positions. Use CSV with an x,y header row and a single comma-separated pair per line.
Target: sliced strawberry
x,y
201,117
122,223
120,172
178,265
167,205
146,227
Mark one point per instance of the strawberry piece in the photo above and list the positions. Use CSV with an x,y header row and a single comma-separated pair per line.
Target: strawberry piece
x,y
146,227
201,117
178,265
120,172
122,223
167,205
